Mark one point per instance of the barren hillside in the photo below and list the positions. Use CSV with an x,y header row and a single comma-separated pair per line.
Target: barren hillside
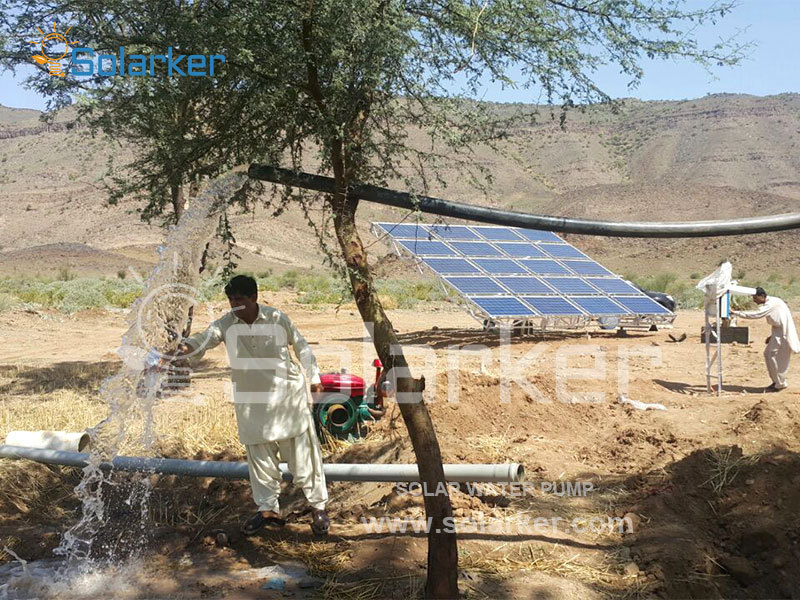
x,y
720,156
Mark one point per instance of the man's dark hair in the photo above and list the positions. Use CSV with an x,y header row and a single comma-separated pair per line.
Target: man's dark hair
x,y
242,286
761,292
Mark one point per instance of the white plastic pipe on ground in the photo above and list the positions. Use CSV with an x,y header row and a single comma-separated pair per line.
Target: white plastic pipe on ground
x,y
66,441
479,473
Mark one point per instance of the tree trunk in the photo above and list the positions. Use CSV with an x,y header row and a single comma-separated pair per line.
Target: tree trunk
x,y
176,191
203,259
442,581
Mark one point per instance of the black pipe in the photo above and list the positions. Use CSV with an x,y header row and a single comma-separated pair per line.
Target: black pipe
x,y
484,214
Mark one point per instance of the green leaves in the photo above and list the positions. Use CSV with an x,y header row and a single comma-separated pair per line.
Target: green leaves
x,y
389,88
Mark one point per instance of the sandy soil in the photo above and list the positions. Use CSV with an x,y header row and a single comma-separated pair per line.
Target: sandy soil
x,y
709,486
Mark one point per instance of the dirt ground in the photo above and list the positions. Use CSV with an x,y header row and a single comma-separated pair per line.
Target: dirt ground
x,y
706,490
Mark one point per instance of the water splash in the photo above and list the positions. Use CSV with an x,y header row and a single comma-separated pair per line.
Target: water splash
x,y
114,521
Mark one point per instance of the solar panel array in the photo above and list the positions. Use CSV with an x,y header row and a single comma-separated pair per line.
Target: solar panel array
x,y
510,272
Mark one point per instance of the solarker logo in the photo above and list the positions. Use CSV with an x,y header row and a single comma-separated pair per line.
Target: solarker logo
x,y
55,47
140,65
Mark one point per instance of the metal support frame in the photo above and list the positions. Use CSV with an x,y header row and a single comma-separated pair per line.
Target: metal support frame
x,y
713,358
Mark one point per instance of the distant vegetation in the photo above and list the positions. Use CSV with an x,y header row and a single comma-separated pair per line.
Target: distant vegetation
x,y
323,288
688,296
69,293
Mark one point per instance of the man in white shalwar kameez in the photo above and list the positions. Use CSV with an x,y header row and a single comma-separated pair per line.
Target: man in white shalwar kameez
x,y
782,343
270,400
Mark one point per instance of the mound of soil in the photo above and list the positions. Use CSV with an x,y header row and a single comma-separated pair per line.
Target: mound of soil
x,y
723,525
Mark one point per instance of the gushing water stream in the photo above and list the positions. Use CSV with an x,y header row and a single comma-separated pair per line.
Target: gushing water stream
x,y
155,323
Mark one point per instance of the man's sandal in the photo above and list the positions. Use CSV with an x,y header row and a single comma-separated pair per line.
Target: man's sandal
x,y
258,521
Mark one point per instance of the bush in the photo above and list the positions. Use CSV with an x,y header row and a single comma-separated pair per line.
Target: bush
x,y
7,302
685,293
64,274
75,294
408,295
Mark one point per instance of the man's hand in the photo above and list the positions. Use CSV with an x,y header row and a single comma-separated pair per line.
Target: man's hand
x,y
316,388
182,350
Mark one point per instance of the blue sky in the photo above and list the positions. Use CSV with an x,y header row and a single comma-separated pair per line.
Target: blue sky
x,y
772,68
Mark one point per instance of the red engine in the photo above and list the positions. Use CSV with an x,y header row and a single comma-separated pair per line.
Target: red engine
x,y
344,405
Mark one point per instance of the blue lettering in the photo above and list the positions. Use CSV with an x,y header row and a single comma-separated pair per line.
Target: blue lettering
x,y
153,58
172,64
197,65
211,62
138,61
79,62
100,65
83,63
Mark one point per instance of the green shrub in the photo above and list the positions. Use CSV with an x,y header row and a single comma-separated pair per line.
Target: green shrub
x,y
7,302
409,294
65,274
72,295
288,279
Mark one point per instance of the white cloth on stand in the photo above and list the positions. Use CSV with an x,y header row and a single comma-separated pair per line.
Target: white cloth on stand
x,y
717,283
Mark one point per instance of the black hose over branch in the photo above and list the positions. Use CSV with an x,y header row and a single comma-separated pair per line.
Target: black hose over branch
x,y
483,214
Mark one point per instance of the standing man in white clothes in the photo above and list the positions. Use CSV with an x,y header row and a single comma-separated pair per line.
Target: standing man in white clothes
x,y
782,343
270,400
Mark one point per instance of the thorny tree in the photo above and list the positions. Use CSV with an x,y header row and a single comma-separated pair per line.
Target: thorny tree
x,y
343,87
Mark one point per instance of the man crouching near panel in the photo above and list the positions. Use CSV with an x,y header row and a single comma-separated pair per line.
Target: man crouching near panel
x,y
270,400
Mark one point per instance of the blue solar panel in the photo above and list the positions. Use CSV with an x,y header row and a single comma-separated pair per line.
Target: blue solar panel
x,y
523,250
498,234
513,272
600,306
535,235
453,232
525,285
476,249
614,286
404,230
570,285
451,266
500,265
425,248
562,251
586,267
545,267
475,285
552,306
503,307
642,305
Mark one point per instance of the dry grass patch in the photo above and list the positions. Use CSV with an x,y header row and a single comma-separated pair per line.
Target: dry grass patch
x,y
725,464
372,588
553,561
320,558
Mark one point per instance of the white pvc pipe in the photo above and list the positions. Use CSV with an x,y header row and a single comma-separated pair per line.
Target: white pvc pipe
x,y
481,473
66,441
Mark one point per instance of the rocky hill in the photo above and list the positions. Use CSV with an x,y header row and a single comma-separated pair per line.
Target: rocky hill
x,y
722,156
